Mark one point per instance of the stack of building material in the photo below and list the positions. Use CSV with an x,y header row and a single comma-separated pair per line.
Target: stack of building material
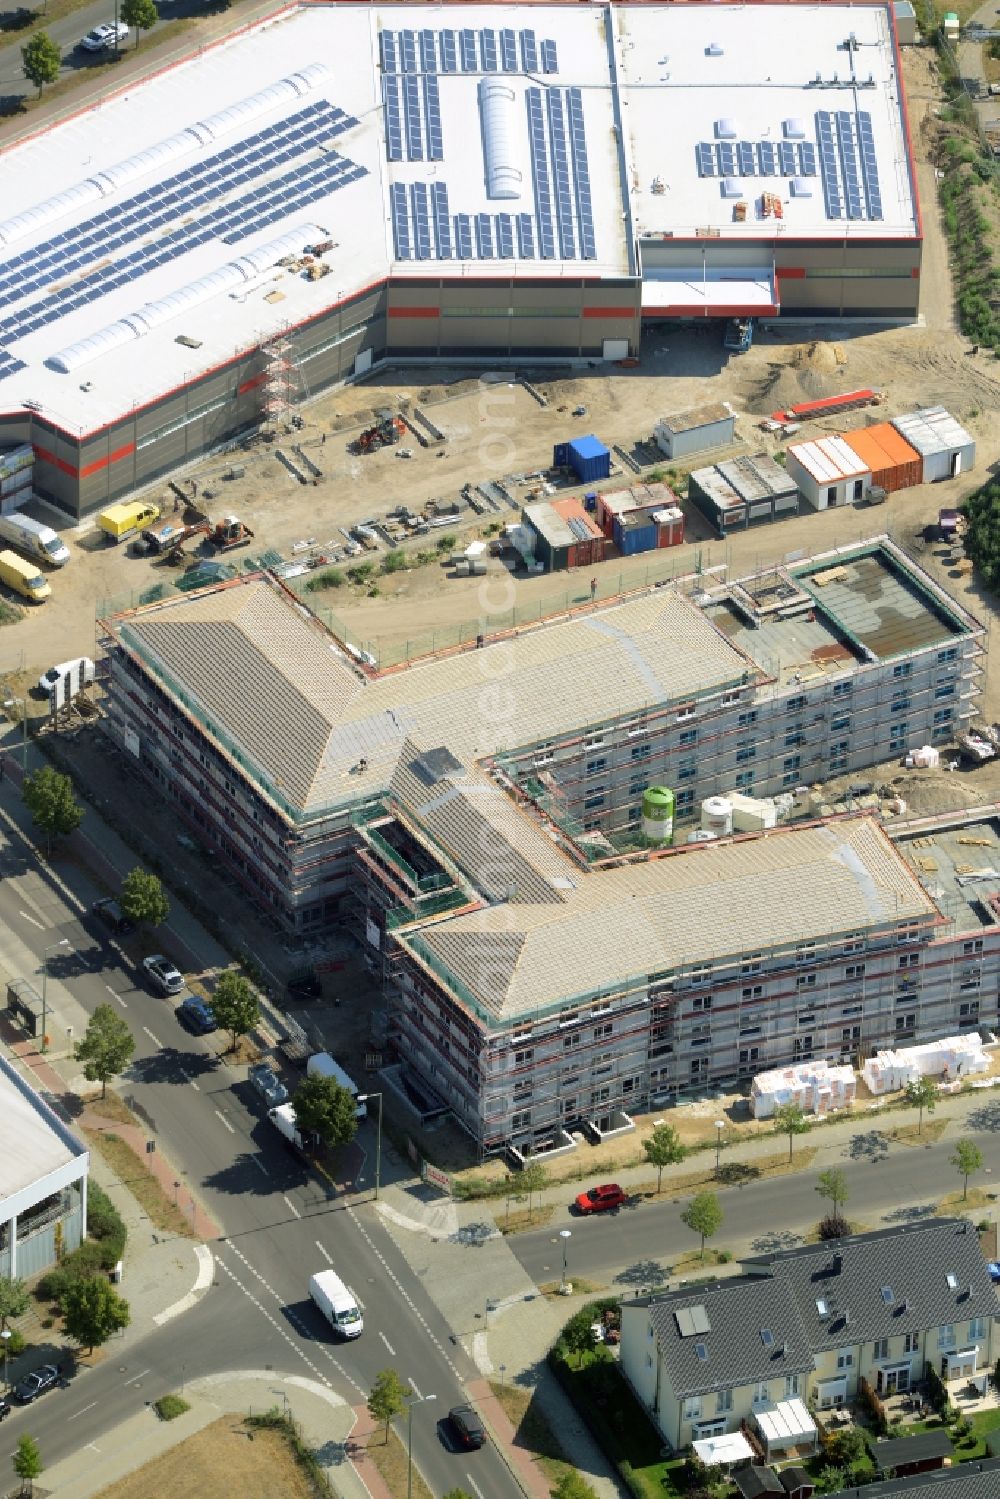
x,y
953,1057
817,1087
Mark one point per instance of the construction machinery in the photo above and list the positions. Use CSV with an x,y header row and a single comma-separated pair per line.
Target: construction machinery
x,y
229,532
738,335
385,433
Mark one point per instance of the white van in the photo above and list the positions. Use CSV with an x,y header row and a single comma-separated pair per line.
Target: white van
x,y
338,1304
33,539
323,1065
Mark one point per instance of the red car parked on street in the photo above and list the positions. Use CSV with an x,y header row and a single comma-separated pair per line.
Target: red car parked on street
x,y
601,1199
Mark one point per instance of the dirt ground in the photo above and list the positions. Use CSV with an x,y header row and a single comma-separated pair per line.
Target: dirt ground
x,y
223,1459
499,431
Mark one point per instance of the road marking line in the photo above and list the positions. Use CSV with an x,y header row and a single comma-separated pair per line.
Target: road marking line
x,y
329,1260
229,1127
416,1392
385,1340
116,996
136,1377
473,1485
86,1408
290,1205
40,925
260,1164
149,1033
190,1080
204,1278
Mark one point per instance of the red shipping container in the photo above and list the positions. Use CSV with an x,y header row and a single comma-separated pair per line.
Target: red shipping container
x,y
892,462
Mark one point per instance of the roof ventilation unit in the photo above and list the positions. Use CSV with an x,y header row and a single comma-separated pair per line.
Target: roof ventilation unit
x,y
801,187
715,50
725,129
497,102
731,188
794,128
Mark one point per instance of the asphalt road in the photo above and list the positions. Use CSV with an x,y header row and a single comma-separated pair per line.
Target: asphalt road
x,y
282,1223
635,1247
67,32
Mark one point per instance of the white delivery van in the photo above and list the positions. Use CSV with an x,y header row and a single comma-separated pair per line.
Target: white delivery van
x,y
33,539
283,1119
338,1304
322,1065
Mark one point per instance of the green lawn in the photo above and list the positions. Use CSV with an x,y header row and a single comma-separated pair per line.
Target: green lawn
x,y
614,1416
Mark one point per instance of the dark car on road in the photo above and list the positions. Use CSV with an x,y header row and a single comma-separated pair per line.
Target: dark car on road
x,y
195,1015
36,1383
469,1430
601,1199
4,1410
110,913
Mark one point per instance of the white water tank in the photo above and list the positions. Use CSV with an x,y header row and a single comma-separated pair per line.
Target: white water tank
x,y
717,815
701,835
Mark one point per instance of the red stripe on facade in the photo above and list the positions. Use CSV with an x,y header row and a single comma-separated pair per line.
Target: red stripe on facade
x,y
414,312
915,273
99,463
241,390
45,456
623,312
790,272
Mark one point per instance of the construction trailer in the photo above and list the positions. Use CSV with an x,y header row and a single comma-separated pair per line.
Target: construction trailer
x,y
742,492
697,431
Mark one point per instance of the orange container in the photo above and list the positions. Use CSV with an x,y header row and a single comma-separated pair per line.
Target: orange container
x,y
892,462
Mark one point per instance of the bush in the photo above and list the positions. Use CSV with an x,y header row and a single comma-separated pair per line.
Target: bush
x,y
169,1407
330,577
105,1224
394,562
80,1264
936,1392
16,1343
833,1227
361,572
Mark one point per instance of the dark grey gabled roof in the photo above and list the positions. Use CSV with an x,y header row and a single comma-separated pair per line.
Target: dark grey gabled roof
x,y
980,1480
895,1451
896,1280
754,1332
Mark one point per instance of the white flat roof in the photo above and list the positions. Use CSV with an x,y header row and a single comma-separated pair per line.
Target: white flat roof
x,y
746,75
33,1147
140,240
828,459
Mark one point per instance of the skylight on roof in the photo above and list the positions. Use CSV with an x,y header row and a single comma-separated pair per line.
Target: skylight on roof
x,y
951,1280
821,1306
767,1337
702,1352
887,1295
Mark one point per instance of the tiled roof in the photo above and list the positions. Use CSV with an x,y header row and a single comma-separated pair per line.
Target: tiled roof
x,y
895,1451
976,1480
793,885
754,1333
882,1284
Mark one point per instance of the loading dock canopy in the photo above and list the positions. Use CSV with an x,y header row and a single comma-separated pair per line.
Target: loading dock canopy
x,y
698,296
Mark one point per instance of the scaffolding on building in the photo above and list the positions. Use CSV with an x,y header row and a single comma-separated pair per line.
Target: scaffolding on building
x,y
283,385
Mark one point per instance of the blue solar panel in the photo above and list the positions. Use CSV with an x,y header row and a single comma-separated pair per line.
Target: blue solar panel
x,y
411,110
504,236
432,114
428,52
508,51
529,52
400,221
550,61
449,52
421,220
463,236
705,157
540,174
560,172
581,173
408,51
807,159
828,165
849,164
442,220
786,158
869,164
467,49
484,236
745,158
525,236
727,159
488,51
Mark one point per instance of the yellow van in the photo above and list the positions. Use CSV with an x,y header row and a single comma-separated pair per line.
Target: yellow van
x,y
119,522
23,577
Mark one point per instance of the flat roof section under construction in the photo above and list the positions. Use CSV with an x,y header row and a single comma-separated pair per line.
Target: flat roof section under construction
x,y
881,605
959,867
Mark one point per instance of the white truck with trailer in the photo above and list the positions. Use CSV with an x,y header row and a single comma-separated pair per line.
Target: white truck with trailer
x,y
338,1304
284,1121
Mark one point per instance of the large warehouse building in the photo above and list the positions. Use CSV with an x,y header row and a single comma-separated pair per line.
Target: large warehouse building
x,y
468,183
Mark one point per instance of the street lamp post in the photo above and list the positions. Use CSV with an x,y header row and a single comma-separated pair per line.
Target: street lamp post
x,y
364,1098
45,985
413,1400
720,1125
6,1335
565,1234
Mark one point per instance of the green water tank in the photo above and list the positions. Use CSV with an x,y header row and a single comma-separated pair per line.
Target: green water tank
x,y
658,814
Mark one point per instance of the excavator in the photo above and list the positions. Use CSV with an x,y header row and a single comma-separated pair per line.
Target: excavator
x,y
384,434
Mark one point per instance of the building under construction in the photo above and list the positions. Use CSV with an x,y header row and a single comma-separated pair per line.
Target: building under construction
x,y
554,966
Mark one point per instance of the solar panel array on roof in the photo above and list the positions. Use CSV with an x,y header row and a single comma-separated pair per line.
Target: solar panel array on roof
x,y
849,164
540,174
550,59
411,113
581,173
484,236
393,119
442,220
467,48
408,51
488,51
387,51
560,169
421,220
428,52
869,164
828,165
705,157
152,211
432,115
529,52
463,236
400,221
765,158
508,51
449,52
727,159
807,159
745,158
525,236
505,236
786,158
571,194
9,365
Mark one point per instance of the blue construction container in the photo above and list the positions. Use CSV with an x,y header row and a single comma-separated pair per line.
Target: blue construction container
x,y
635,531
589,459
